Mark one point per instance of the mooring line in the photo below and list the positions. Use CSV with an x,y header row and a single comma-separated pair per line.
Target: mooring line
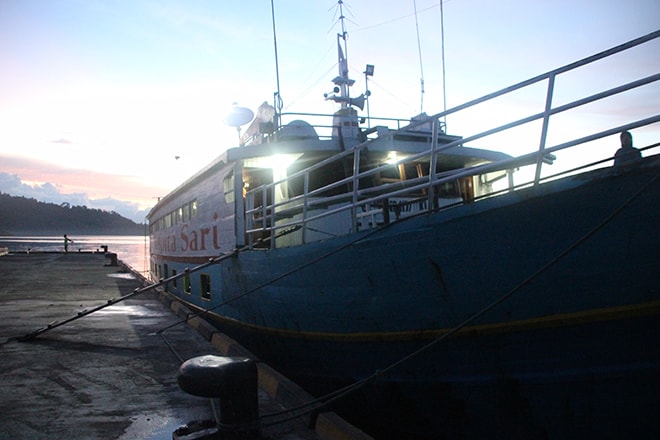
x,y
342,392
136,292
350,243
323,401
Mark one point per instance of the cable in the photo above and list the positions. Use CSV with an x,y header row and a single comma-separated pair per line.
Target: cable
x,y
342,392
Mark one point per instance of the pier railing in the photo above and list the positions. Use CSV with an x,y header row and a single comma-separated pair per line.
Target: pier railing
x,y
351,205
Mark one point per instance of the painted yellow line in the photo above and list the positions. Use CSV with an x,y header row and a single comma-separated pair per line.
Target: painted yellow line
x,y
558,320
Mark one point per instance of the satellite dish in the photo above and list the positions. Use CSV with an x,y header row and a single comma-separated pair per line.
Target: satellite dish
x,y
238,116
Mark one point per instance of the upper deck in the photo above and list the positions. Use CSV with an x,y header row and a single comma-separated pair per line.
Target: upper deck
x,y
331,175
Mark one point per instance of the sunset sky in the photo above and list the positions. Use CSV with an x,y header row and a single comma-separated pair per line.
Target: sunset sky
x,y
99,97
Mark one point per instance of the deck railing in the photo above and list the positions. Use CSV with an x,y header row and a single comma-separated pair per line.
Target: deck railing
x,y
359,206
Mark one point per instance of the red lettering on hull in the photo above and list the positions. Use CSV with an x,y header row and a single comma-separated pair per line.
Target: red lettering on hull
x,y
189,240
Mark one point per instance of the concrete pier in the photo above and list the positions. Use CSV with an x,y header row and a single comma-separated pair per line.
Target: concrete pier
x,y
110,375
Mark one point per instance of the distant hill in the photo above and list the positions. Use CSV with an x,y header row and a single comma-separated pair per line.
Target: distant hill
x,y
23,216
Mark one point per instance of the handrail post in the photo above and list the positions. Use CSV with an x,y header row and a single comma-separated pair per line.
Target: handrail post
x,y
249,205
239,205
305,206
544,129
272,216
432,165
356,180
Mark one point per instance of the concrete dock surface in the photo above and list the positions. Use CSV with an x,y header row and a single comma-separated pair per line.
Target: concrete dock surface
x,y
110,375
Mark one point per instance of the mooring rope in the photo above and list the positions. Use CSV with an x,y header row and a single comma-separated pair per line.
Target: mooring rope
x,y
323,401
329,398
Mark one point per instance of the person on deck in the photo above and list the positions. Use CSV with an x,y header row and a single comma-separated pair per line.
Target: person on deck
x,y
627,153
67,240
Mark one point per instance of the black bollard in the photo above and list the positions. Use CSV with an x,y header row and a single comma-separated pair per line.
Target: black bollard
x,y
111,259
232,380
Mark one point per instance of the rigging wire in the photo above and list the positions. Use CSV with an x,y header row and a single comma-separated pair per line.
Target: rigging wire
x,y
421,66
318,78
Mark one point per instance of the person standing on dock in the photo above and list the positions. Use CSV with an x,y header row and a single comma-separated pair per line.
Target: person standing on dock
x,y
67,240
627,153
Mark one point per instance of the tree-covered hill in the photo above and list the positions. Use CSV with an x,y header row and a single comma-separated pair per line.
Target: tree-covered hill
x,y
23,216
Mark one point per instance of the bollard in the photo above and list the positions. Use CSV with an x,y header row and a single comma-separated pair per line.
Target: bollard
x,y
232,380
111,259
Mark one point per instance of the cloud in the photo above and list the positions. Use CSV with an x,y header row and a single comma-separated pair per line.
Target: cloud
x,y
52,193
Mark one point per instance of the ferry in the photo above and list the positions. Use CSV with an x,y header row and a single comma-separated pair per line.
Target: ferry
x,y
472,293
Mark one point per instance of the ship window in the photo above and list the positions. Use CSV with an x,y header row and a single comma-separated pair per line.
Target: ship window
x,y
186,284
193,209
186,212
228,185
205,281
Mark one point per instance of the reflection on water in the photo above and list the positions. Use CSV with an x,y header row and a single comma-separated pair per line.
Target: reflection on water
x,y
131,249
130,310
123,276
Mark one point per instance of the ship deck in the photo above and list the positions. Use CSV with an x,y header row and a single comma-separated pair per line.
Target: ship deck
x,y
110,374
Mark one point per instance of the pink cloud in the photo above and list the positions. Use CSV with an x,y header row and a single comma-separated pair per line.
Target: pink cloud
x,y
43,180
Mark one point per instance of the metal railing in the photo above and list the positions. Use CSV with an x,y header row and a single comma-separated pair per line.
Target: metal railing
x,y
350,201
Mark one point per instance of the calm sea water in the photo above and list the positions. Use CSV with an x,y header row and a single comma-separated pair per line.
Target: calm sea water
x,y
131,249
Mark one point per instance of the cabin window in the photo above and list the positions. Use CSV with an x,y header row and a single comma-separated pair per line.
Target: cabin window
x,y
205,281
181,214
228,184
322,177
186,284
448,189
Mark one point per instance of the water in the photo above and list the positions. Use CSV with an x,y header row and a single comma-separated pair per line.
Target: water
x,y
131,249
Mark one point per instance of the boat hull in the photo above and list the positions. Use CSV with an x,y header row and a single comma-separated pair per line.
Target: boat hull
x,y
554,290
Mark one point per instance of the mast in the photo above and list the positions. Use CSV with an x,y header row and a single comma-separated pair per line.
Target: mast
x,y
342,81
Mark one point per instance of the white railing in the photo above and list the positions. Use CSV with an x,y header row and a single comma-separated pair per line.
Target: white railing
x,y
359,206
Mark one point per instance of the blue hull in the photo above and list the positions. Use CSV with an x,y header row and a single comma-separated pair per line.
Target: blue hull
x,y
570,351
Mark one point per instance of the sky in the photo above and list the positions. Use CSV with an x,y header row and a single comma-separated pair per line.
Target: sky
x,y
113,103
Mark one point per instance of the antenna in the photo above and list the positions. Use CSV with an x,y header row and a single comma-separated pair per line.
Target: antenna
x,y
444,85
277,98
343,82
419,49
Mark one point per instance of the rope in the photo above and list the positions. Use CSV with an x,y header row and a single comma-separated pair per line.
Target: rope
x,y
277,278
136,292
325,400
